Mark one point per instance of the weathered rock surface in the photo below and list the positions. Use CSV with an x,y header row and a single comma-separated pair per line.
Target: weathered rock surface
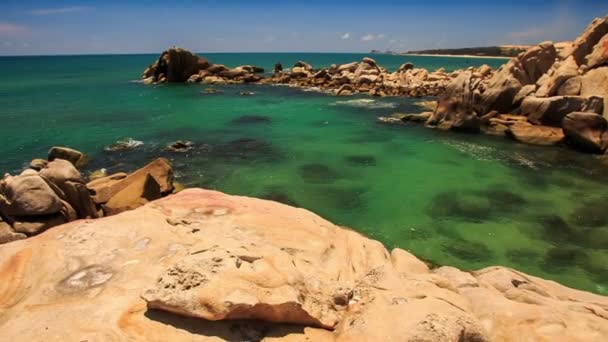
x,y
75,157
27,194
535,134
586,131
210,263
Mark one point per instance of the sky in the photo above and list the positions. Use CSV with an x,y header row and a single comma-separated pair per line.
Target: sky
x,y
103,27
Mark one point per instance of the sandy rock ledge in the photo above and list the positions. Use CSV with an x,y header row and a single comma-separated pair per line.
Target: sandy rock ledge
x,y
205,266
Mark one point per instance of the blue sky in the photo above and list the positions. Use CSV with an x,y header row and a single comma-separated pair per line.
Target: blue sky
x,y
89,27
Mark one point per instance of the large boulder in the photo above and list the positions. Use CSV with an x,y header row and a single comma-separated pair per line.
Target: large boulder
x,y
536,61
176,65
550,82
585,43
595,83
27,195
551,111
599,55
32,225
455,108
202,253
60,171
105,188
75,157
141,191
8,234
77,195
586,131
535,134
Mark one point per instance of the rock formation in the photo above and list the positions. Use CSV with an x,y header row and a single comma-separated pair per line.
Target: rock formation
x,y
544,88
52,192
204,266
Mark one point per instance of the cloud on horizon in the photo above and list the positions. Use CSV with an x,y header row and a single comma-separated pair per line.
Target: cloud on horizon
x,y
10,29
345,36
60,10
370,37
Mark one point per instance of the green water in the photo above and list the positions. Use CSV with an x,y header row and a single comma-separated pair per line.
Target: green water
x,y
463,200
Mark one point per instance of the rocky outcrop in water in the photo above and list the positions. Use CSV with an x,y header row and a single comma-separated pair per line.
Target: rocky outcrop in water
x,y
346,79
53,192
202,266
544,88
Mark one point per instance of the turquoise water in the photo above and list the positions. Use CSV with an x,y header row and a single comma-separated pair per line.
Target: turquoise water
x,y
464,200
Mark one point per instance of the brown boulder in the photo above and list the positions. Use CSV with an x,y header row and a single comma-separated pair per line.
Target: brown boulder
x,y
75,157
104,188
136,194
595,83
537,60
585,43
176,65
7,234
550,82
38,164
455,109
599,55
60,171
551,110
535,134
32,225
571,87
77,195
586,131
27,194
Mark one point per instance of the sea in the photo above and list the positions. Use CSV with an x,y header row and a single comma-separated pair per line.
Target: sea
x,y
469,201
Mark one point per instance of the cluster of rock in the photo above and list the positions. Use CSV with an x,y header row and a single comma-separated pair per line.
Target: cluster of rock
x,y
205,266
540,97
52,192
179,65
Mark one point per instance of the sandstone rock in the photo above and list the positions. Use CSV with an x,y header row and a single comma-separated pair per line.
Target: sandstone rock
x,y
369,61
586,131
599,55
571,87
595,83
278,67
38,164
32,225
584,44
27,195
405,67
232,253
7,234
60,171
77,195
348,67
550,110
549,83
75,157
303,65
454,109
139,192
537,60
535,134
105,188
176,65
345,90
422,117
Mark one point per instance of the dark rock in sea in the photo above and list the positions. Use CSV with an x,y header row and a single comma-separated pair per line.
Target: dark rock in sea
x,y
278,67
318,173
503,200
560,257
345,198
470,251
180,146
246,149
555,228
251,119
211,91
247,93
459,206
523,256
123,145
277,195
363,160
590,214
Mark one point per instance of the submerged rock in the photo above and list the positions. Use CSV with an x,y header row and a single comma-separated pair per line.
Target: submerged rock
x,y
318,173
180,146
586,131
251,119
123,145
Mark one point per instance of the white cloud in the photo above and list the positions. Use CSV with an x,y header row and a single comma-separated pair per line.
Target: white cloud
x,y
345,36
369,37
8,29
60,10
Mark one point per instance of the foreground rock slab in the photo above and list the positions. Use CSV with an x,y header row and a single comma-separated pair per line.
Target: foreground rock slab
x,y
205,266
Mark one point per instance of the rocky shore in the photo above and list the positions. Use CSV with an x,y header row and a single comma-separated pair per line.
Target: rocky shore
x,y
53,191
205,266
544,96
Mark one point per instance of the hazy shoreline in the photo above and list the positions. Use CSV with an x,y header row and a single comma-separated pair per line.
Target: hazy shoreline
x,y
448,55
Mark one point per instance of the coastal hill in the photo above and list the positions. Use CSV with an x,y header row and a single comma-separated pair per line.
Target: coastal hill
x,y
486,51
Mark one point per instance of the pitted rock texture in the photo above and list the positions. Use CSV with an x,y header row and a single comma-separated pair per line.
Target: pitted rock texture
x,y
205,266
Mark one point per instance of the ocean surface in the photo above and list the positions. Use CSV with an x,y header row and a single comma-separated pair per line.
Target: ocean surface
x,y
469,201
